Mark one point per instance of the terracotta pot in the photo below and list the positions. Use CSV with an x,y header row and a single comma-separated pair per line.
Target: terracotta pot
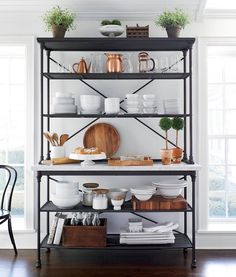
x,y
173,32
58,31
177,154
166,155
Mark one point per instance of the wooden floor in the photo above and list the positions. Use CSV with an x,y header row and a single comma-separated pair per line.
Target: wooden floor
x,y
70,263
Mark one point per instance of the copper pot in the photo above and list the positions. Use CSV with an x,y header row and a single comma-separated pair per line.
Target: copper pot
x,y
81,67
114,63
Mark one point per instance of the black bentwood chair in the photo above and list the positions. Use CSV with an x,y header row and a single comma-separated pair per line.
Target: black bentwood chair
x,y
5,208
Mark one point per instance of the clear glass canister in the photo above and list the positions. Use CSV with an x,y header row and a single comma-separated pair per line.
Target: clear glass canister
x,y
88,193
100,199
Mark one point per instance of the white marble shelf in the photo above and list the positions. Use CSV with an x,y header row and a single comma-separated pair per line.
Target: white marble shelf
x,y
106,167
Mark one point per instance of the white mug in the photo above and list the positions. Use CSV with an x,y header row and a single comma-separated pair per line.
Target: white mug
x,y
112,105
57,152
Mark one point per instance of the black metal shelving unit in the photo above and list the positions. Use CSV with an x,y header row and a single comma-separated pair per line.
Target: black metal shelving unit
x,y
184,45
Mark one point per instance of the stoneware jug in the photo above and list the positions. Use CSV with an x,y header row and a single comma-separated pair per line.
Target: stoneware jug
x,y
81,67
114,63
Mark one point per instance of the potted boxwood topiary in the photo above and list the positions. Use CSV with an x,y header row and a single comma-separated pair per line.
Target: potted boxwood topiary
x,y
111,28
177,125
59,21
165,124
173,22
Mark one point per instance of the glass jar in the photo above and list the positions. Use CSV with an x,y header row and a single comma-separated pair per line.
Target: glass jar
x,y
88,193
100,199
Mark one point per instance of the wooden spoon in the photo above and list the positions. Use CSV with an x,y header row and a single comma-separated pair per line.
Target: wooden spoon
x,y
55,138
63,139
49,138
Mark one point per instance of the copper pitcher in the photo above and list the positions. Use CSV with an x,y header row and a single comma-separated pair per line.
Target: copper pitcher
x,y
114,63
81,67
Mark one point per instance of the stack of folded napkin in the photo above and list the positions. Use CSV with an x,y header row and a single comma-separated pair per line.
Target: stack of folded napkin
x,y
158,234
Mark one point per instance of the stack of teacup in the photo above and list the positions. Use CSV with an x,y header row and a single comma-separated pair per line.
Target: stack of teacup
x,y
132,103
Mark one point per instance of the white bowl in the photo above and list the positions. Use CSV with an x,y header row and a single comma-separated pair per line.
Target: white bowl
x,y
143,197
115,193
133,97
176,183
66,188
67,202
149,104
90,102
149,110
117,204
148,97
112,30
170,192
133,110
132,104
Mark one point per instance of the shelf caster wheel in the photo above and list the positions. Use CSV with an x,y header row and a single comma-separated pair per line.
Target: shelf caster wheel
x,y
38,264
185,252
194,264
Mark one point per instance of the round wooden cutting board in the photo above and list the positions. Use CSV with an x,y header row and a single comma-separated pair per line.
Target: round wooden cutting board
x,y
104,136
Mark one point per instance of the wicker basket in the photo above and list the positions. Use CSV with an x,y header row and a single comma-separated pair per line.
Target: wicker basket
x,y
137,32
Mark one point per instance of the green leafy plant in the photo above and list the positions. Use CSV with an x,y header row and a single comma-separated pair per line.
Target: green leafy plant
x,y
177,124
165,124
177,18
110,22
59,17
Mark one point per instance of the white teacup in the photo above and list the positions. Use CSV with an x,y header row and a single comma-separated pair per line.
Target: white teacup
x,y
112,105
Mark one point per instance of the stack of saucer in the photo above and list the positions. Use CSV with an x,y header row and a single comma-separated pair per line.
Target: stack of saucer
x,y
132,103
149,103
63,103
171,106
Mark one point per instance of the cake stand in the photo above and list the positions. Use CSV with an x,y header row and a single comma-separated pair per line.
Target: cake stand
x,y
88,159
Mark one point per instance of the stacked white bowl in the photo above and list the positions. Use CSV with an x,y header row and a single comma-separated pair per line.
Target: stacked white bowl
x,y
149,103
170,189
171,106
132,103
67,195
91,104
143,193
63,103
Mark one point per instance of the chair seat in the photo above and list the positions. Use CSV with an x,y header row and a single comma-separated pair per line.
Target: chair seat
x,y
4,213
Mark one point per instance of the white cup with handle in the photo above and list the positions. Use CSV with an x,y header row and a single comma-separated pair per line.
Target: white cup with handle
x,y
112,105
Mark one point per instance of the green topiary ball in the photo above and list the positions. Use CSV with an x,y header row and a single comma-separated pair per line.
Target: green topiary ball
x,y
165,123
177,123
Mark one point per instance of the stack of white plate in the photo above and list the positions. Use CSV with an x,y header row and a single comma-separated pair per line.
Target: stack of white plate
x,y
171,106
63,103
149,103
143,193
132,103
90,104
170,189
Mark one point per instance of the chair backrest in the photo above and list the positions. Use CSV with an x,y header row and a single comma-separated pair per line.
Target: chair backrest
x,y
11,176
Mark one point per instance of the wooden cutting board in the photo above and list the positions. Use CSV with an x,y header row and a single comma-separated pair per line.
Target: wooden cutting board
x,y
104,136
158,202
117,162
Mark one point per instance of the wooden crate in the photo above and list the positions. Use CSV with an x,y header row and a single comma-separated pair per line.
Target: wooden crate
x,y
85,236
158,202
137,31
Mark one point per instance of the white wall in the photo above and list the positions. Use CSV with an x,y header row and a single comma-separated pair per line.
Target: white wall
x,y
31,25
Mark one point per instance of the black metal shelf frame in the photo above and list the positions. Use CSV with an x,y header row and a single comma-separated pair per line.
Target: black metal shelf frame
x,y
49,45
